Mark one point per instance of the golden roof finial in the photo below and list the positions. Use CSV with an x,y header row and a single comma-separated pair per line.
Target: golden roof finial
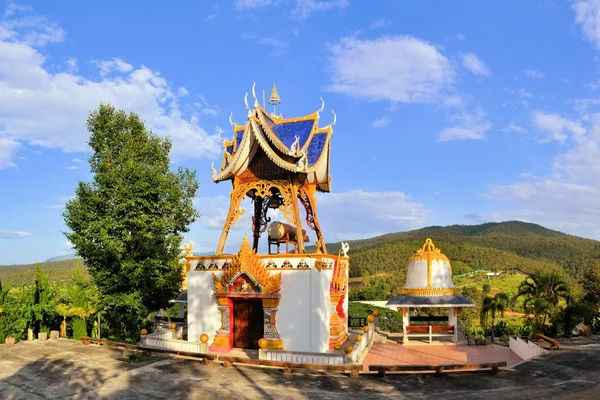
x,y
274,99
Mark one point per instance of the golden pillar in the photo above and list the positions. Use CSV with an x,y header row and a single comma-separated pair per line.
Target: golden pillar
x,y
235,212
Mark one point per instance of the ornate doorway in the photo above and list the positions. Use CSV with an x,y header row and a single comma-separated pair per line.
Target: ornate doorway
x,y
248,323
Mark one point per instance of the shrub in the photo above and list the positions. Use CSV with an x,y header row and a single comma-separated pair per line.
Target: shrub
x,y
79,328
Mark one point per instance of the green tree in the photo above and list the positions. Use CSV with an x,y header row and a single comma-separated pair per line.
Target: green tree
x,y
127,223
41,308
491,306
542,294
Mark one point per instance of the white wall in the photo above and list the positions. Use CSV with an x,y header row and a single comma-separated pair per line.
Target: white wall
x,y
203,312
524,349
303,314
320,309
294,315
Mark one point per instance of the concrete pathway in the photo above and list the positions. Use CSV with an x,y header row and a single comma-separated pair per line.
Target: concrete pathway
x,y
66,369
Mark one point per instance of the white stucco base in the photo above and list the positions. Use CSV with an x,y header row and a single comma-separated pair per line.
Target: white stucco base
x,y
304,311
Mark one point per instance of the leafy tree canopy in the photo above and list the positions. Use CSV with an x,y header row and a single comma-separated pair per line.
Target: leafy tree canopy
x,y
127,223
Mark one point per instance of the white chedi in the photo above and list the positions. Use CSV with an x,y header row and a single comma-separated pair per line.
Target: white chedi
x,y
429,273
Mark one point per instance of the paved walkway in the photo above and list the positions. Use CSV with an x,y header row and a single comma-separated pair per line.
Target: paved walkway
x,y
66,369
392,353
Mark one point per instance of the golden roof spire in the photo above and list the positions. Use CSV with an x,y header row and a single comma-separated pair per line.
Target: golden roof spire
x,y
274,99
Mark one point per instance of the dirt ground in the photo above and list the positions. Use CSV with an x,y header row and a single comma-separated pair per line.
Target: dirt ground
x,y
67,369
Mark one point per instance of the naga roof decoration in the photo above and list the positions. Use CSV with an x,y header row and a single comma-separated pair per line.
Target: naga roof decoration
x,y
293,144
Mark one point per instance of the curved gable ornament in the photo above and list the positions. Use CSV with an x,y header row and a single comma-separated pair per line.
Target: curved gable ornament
x,y
248,263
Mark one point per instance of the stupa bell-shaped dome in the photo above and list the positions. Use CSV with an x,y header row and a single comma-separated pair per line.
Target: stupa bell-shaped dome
x,y
429,273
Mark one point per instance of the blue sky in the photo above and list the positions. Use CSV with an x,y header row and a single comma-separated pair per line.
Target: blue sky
x,y
447,112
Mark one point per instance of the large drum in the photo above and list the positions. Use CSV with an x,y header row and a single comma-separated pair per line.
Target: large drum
x,y
281,232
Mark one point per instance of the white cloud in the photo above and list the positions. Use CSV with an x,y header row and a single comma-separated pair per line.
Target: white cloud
x,y
278,46
525,93
567,198
515,128
14,234
394,68
380,23
214,15
587,15
555,126
77,160
532,73
49,109
471,62
469,125
115,65
60,202
71,64
301,9
378,211
8,147
71,168
381,122
461,37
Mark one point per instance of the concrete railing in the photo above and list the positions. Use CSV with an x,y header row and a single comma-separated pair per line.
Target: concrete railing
x,y
360,349
301,357
164,340
524,348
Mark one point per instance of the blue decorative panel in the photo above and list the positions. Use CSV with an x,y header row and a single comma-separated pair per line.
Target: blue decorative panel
x,y
287,132
315,148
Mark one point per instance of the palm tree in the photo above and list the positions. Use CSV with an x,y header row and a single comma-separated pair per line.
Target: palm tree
x,y
542,295
493,305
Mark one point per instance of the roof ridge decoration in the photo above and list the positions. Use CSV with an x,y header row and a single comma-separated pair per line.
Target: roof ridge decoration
x,y
246,261
295,144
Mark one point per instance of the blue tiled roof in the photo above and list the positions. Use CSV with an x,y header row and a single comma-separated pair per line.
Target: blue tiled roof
x,y
315,148
229,149
287,132
238,137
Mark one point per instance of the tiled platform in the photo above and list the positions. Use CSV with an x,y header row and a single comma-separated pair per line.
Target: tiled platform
x,y
391,353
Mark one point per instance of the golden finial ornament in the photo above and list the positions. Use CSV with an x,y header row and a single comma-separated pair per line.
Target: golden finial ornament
x,y
274,99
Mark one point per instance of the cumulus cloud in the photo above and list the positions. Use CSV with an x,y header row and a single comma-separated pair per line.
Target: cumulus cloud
x,y
373,213
477,67
515,128
380,23
532,73
49,109
556,127
300,9
587,16
468,125
8,147
381,122
566,198
278,47
394,68
14,234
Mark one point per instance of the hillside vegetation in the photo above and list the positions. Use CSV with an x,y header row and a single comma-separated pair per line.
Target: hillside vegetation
x,y
508,245
492,246
57,271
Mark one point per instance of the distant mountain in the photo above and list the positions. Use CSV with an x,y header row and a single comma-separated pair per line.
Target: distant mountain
x,y
495,245
491,246
63,257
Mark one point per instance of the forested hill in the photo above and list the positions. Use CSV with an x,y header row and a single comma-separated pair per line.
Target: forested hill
x,y
493,246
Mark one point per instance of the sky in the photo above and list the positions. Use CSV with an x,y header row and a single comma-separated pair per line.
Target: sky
x,y
454,112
